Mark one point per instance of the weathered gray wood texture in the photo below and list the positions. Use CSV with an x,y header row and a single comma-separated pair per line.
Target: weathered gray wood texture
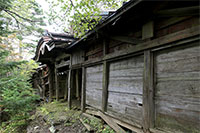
x,y
94,76
177,97
62,79
125,89
77,57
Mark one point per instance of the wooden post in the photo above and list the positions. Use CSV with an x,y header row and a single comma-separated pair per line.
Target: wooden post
x,y
83,90
77,84
148,103
43,89
56,85
69,88
50,79
66,86
105,86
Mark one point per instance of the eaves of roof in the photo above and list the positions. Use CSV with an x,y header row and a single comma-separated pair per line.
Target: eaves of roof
x,y
53,38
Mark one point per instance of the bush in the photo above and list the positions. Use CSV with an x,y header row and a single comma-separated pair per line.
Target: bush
x,y
16,95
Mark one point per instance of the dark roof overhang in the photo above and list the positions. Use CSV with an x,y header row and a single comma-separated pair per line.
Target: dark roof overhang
x,y
127,6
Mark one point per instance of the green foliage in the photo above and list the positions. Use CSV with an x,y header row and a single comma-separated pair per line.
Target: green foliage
x,y
97,125
16,95
21,16
24,18
81,16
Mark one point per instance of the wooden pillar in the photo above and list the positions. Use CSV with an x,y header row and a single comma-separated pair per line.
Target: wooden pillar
x,y
66,86
43,89
56,84
105,86
148,103
70,84
51,82
105,78
77,83
83,90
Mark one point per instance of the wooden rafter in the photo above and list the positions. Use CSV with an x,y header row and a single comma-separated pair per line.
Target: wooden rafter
x,y
126,39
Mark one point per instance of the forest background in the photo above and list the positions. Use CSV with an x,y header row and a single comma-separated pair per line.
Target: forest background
x,y
22,24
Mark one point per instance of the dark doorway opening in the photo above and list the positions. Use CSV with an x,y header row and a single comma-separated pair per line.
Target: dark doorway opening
x,y
76,88
63,73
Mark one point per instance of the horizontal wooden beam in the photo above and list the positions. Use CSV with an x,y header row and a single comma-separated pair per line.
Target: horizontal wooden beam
x,y
177,38
126,39
62,56
185,11
76,66
67,63
171,38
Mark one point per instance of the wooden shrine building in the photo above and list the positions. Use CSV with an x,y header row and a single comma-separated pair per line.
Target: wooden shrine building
x,y
140,66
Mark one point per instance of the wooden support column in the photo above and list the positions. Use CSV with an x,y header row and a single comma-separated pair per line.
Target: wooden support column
x,y
105,86
148,92
105,78
66,86
50,80
70,83
83,90
77,84
43,89
56,84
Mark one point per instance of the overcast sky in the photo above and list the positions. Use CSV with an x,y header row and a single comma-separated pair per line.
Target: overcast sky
x,y
45,6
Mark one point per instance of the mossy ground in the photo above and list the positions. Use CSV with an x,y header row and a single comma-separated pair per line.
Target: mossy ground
x,y
58,115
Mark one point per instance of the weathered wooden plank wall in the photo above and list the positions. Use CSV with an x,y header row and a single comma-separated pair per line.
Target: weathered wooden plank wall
x,y
94,51
177,97
94,77
77,56
174,24
125,89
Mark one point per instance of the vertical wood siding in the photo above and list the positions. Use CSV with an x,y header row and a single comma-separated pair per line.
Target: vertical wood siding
x,y
94,77
77,57
125,89
177,97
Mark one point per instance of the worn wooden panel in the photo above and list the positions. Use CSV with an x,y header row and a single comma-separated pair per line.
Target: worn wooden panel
x,y
62,79
177,97
94,77
175,27
94,51
77,57
125,89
